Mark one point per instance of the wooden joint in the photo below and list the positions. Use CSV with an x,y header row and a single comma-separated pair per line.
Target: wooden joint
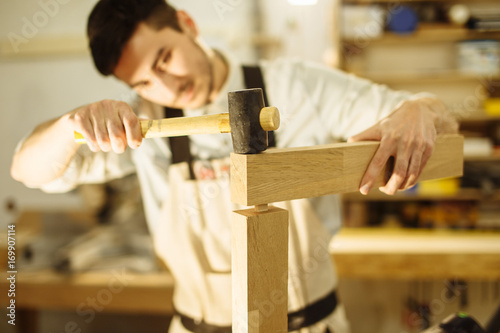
x,y
262,208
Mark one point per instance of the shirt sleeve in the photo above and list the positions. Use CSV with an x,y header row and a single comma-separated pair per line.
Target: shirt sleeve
x,y
88,167
342,104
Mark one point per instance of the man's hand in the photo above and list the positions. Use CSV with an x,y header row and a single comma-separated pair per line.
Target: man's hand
x,y
408,134
107,125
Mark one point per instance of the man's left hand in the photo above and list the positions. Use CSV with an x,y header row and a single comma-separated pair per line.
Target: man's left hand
x,y
408,134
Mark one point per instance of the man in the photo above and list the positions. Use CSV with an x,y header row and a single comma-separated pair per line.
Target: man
x,y
156,50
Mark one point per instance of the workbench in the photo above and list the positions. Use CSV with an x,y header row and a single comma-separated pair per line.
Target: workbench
x,y
47,290
116,290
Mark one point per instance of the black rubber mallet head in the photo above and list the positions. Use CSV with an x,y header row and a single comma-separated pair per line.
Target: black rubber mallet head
x,y
250,120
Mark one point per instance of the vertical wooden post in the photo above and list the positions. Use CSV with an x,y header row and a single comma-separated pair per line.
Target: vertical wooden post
x,y
260,270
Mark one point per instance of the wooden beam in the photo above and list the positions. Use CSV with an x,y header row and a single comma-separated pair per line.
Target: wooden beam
x,y
286,174
260,270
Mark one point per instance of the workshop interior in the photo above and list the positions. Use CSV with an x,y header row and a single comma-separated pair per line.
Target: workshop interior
x,y
423,260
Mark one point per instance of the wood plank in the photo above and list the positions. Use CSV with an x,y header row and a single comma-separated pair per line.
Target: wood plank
x,y
114,291
416,254
260,270
286,174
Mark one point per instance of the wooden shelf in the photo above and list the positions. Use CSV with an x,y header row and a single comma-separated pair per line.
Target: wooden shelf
x,y
462,195
493,158
431,33
442,76
409,254
132,293
479,117
419,254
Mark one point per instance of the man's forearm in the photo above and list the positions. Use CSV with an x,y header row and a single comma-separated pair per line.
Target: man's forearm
x,y
45,154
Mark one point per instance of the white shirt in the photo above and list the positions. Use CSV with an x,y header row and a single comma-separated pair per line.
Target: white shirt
x,y
189,220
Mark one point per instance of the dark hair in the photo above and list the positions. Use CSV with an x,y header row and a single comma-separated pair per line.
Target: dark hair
x,y
112,23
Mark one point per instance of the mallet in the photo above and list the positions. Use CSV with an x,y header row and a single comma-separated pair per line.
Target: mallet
x,y
248,122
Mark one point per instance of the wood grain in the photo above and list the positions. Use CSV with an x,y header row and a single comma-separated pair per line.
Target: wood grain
x,y
211,124
286,174
259,270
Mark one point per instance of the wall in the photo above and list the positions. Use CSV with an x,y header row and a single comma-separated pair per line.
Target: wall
x,y
225,24
34,89
307,32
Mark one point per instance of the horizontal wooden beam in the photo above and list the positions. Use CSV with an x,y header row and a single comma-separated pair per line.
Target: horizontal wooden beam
x,y
286,174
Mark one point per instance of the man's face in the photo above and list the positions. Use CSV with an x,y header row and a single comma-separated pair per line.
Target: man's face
x,y
167,67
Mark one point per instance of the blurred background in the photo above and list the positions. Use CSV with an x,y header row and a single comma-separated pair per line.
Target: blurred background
x,y
444,247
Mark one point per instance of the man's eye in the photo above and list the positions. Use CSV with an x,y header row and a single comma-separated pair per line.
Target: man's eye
x,y
162,62
144,85
167,56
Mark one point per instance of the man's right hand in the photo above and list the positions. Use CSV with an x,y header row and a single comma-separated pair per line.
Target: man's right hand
x,y
107,125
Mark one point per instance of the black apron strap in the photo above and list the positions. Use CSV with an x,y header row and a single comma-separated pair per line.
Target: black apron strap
x,y
253,79
306,317
179,145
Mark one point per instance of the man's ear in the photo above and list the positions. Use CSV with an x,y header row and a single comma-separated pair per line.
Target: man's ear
x,y
187,24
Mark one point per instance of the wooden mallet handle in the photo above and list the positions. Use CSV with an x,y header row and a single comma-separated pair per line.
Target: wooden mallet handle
x,y
212,124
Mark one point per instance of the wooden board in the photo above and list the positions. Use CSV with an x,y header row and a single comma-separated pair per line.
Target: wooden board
x,y
410,254
286,174
260,270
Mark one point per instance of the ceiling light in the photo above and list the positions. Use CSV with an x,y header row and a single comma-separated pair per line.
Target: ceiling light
x,y
302,2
